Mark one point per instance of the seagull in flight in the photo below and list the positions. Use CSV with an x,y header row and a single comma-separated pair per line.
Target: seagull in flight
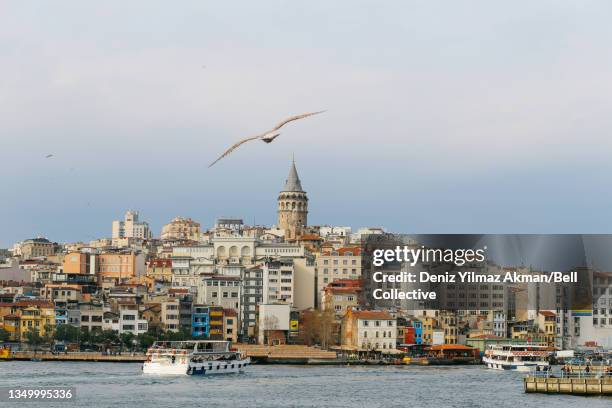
x,y
48,156
268,136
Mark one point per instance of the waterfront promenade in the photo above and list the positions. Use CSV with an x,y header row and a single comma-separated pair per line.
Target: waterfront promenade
x,y
297,354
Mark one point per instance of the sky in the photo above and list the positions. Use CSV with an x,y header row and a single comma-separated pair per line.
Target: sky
x,y
442,116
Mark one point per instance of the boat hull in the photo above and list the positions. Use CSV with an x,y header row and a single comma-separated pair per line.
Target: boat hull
x,y
508,366
200,368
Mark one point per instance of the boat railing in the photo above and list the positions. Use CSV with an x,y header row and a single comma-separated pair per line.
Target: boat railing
x,y
548,373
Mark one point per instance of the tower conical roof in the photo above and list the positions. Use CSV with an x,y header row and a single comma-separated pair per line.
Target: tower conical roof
x,y
293,180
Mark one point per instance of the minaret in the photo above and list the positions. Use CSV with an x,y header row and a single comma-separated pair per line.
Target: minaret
x,y
292,206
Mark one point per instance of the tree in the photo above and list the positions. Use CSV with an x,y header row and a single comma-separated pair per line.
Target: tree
x,y
146,340
127,339
33,338
319,327
67,333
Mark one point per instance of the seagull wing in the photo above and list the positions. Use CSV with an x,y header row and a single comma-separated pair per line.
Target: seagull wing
x,y
234,147
292,118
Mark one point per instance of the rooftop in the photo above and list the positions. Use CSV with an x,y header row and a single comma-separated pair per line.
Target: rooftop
x,y
372,315
293,180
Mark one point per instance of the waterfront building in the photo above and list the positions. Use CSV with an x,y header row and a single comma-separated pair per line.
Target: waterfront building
x,y
170,315
22,316
185,307
131,227
547,325
448,323
273,324
92,317
292,206
332,265
65,298
369,330
131,321
151,312
418,331
278,281
207,321
216,323
500,327
597,328
341,295
110,321
230,325
181,229
252,295
428,325
200,324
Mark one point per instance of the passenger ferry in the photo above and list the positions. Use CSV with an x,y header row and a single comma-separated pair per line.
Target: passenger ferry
x,y
198,357
518,357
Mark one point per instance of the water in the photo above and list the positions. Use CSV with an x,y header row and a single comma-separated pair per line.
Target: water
x,y
123,385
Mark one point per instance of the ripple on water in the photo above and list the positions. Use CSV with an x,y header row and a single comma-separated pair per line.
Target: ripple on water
x,y
123,385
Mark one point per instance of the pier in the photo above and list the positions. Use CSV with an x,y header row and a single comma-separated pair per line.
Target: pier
x,y
580,385
78,356
282,354
287,354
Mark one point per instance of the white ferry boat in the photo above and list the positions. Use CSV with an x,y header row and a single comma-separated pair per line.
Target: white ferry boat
x,y
518,357
198,357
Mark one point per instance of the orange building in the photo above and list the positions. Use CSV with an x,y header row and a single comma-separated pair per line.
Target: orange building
x,y
77,262
117,266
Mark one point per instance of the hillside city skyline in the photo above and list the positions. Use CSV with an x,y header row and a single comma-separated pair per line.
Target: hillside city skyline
x,y
432,125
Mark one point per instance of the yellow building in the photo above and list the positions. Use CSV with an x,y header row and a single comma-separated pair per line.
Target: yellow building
x,y
160,269
429,324
448,323
25,316
230,325
547,323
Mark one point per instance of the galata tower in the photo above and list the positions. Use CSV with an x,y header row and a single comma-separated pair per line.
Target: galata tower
x,y
292,206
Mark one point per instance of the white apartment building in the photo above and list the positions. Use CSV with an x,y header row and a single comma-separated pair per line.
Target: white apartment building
x,y
218,290
130,321
131,227
278,280
370,330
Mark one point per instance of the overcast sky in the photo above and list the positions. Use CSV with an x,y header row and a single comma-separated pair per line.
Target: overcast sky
x,y
472,116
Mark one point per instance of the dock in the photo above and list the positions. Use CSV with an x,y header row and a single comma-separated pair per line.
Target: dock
x,y
579,385
287,354
78,356
281,354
